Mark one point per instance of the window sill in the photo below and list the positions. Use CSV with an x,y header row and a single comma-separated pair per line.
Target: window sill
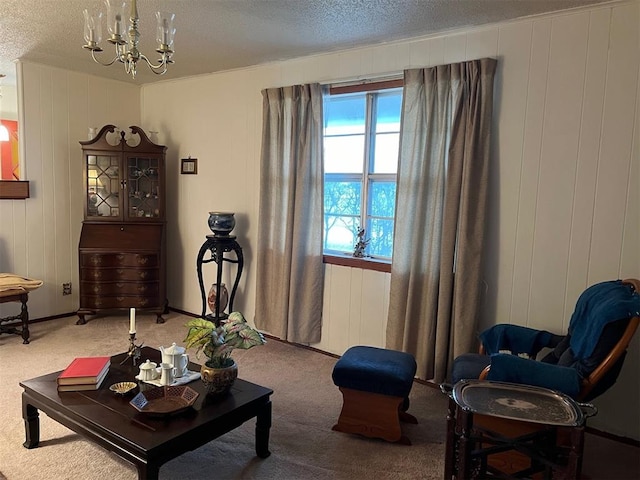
x,y
363,263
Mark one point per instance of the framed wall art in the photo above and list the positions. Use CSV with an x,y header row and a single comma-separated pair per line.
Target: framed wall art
x,y
189,166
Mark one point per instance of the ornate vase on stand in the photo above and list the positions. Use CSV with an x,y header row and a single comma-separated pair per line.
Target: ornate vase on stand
x,y
224,298
221,223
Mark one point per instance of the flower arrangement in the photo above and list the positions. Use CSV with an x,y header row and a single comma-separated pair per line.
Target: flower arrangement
x,y
217,343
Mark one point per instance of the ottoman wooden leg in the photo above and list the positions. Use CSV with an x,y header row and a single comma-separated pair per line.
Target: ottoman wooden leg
x,y
372,415
407,417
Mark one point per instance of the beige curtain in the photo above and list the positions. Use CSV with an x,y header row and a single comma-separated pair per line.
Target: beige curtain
x,y
440,218
290,272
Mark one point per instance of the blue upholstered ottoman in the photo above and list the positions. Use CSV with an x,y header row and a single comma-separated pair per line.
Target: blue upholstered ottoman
x,y
375,385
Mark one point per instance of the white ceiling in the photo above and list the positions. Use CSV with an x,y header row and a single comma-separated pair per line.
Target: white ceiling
x,y
216,35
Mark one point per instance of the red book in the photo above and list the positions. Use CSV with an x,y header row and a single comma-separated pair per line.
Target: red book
x,y
85,371
84,386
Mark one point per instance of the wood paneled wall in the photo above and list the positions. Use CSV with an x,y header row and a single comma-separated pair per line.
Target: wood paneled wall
x,y
39,236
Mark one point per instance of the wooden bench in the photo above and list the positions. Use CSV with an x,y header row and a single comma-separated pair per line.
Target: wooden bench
x,y
14,288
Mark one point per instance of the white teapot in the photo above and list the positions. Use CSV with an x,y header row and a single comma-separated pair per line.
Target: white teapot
x,y
176,356
148,371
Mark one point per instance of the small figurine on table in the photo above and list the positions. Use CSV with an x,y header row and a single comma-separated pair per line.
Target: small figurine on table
x,y
361,244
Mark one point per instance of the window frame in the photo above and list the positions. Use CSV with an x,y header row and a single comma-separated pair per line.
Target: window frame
x,y
367,176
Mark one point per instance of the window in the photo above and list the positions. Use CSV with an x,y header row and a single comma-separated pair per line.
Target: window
x,y
361,139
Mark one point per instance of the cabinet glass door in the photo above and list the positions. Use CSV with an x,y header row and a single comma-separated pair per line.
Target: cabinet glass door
x,y
143,183
103,186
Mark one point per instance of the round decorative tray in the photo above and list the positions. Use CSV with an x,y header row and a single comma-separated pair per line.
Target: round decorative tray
x,y
164,400
518,402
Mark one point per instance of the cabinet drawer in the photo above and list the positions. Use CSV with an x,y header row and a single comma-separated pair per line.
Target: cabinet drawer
x,y
118,260
119,301
121,237
120,288
119,274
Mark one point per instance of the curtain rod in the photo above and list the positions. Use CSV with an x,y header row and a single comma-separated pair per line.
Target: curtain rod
x,y
363,80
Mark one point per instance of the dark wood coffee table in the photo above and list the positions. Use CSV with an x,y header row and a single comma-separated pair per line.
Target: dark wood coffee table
x,y
146,441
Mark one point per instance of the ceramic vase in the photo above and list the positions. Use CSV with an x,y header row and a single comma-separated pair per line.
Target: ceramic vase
x,y
218,381
224,298
221,223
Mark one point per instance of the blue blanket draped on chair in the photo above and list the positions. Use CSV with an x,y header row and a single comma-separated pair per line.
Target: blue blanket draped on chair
x,y
509,368
515,338
599,305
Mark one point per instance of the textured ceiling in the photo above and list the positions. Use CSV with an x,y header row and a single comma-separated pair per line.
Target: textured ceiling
x,y
216,35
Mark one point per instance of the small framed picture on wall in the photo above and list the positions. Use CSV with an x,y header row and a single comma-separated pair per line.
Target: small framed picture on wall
x,y
189,166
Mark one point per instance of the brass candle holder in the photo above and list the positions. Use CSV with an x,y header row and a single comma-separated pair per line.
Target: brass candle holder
x,y
134,351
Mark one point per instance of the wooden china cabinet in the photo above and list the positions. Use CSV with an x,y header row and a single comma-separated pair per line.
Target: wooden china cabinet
x,y
122,243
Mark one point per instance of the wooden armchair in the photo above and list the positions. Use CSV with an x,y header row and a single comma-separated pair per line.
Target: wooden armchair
x,y
595,373
616,354
587,378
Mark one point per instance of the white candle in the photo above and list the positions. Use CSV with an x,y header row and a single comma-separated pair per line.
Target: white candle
x,y
132,320
165,31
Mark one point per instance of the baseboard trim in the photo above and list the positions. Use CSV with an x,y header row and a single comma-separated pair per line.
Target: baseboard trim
x,y
51,317
71,314
303,346
183,312
611,436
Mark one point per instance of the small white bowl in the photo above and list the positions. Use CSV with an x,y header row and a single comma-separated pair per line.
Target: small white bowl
x,y
122,388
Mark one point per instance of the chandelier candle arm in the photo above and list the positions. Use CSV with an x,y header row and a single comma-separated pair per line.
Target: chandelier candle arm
x,y
115,14
127,51
165,32
92,30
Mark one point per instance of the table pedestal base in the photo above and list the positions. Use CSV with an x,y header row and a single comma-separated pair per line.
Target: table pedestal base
x,y
475,451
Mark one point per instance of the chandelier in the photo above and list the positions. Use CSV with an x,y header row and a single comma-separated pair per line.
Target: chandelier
x,y
127,50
